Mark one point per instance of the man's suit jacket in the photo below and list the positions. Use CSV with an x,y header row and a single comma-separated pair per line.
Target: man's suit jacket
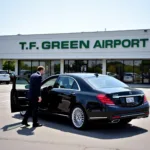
x,y
35,86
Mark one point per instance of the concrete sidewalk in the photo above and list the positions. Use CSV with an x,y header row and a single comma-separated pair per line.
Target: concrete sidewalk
x,y
144,87
139,85
146,91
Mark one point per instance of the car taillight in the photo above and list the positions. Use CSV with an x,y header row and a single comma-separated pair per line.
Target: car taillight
x,y
145,99
116,117
147,113
105,100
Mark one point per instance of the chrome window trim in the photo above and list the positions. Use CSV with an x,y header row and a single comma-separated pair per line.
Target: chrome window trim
x,y
66,89
96,118
63,115
132,115
117,96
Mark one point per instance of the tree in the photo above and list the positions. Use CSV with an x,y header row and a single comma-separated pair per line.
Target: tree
x,y
9,65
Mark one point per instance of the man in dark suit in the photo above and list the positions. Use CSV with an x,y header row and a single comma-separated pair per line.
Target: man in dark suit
x,y
34,97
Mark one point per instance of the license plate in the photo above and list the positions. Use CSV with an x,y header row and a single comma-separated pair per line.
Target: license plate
x,y
130,99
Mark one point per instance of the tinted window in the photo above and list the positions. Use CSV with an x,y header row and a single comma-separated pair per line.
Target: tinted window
x,y
25,68
75,86
105,82
115,68
128,68
67,83
50,82
22,83
55,67
138,71
34,66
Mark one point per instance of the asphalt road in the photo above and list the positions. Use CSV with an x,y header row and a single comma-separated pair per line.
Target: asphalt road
x,y
58,134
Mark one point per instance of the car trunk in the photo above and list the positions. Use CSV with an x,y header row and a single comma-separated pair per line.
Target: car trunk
x,y
125,97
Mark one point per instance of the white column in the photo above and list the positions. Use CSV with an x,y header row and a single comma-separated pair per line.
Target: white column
x,y
1,64
16,67
61,66
104,66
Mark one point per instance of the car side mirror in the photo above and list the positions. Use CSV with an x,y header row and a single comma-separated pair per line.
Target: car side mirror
x,y
27,86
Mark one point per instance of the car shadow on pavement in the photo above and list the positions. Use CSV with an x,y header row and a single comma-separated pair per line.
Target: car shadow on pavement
x,y
11,126
95,130
26,131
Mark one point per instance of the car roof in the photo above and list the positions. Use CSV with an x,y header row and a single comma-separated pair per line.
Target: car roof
x,y
82,75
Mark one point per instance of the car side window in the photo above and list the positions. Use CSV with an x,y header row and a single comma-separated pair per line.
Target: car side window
x,y
67,83
21,83
48,83
75,86
63,82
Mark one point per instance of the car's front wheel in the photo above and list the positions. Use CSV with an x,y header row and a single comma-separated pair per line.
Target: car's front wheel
x,y
7,82
22,113
78,117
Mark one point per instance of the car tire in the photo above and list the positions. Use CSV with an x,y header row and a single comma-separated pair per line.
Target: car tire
x,y
78,118
124,121
7,82
22,113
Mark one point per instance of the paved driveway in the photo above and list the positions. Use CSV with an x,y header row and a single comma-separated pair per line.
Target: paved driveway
x,y
58,134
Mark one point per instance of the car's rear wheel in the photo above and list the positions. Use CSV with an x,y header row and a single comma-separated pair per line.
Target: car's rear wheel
x,y
22,113
7,82
78,117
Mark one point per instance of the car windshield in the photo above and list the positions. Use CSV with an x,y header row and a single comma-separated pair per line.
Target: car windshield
x,y
3,72
129,75
105,82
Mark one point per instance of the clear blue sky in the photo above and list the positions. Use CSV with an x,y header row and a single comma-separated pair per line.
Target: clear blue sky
x,y
60,16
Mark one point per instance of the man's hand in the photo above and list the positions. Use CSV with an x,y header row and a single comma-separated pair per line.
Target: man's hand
x,y
40,100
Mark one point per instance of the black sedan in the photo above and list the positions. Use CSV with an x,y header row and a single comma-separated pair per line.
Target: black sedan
x,y
84,97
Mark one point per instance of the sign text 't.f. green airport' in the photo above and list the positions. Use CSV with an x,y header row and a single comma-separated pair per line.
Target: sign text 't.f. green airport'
x,y
85,44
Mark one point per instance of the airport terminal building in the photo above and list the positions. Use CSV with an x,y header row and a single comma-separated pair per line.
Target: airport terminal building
x,y
122,54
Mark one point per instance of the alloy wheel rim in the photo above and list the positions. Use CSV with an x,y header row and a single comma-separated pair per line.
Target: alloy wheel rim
x,y
78,117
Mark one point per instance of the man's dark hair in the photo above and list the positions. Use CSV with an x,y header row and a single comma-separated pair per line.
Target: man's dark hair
x,y
39,68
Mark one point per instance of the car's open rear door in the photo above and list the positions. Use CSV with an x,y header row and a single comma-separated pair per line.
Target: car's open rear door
x,y
19,94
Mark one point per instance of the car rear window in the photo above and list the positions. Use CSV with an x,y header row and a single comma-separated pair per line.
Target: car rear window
x,y
3,72
105,82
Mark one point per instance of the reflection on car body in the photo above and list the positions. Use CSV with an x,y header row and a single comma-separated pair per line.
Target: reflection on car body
x,y
84,97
